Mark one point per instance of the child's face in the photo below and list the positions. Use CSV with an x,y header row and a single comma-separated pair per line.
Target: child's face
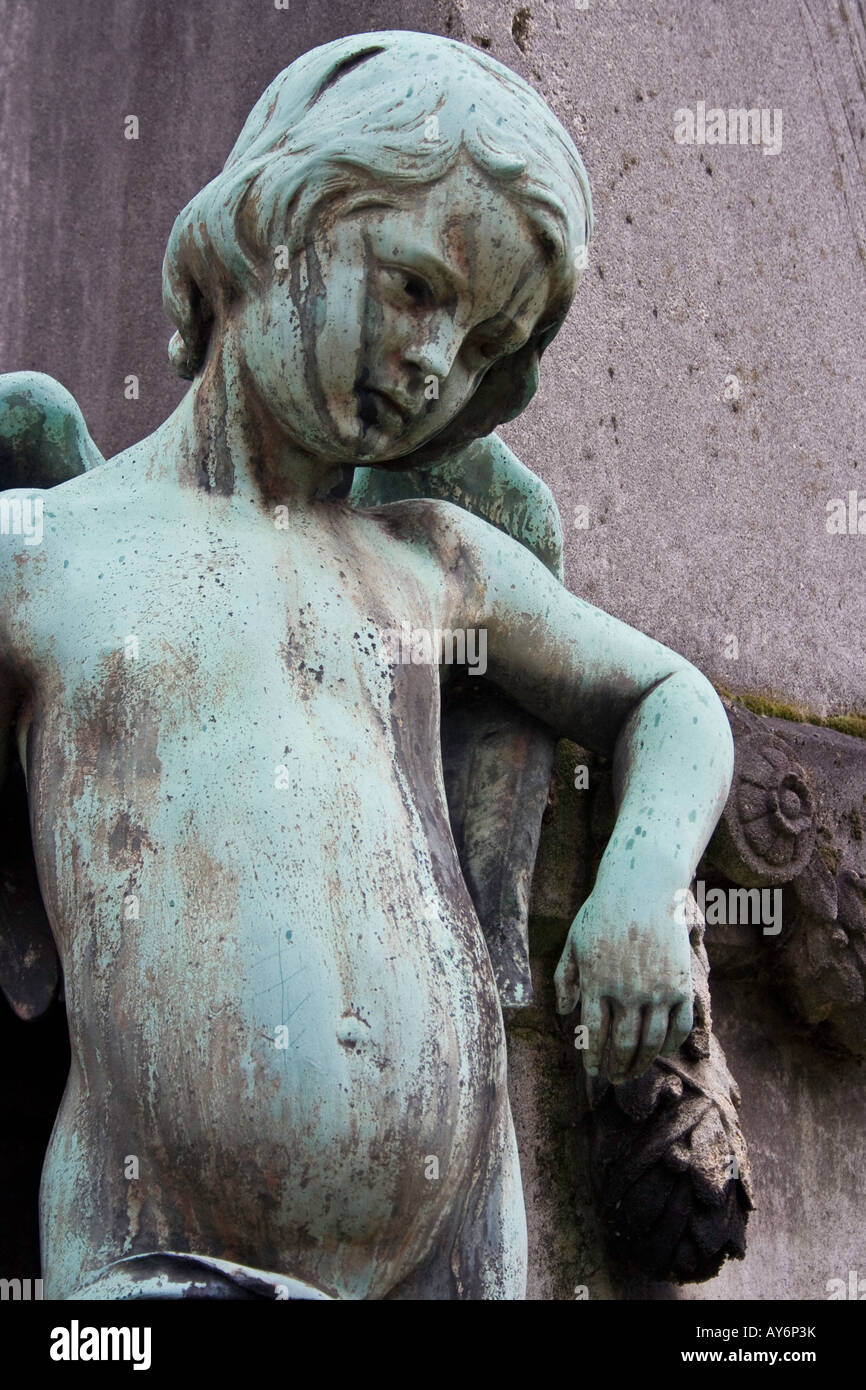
x,y
381,331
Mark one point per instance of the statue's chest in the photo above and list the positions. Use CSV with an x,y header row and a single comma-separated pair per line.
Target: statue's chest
x,y
199,621
169,664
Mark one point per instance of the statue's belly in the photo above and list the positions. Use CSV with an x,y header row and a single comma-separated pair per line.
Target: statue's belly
x,y
294,1027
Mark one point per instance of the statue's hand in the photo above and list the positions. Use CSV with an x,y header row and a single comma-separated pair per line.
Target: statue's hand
x,y
629,967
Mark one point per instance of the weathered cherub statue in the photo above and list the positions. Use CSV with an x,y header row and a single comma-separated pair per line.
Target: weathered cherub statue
x,y
288,1059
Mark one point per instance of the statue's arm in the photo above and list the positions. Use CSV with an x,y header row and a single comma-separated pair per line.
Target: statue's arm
x,y
485,478
44,441
610,688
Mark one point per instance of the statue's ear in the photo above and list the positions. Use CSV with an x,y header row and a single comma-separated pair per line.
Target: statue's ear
x,y
188,346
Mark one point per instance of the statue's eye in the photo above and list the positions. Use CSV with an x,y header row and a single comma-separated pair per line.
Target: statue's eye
x,y
409,286
416,289
486,348
490,346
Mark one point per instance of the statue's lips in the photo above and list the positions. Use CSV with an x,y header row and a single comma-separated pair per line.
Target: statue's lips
x,y
375,401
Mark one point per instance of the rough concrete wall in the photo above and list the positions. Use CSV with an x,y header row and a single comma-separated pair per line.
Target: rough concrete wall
x,y
804,1116
705,521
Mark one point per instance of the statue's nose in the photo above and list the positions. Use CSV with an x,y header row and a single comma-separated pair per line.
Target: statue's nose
x,y
435,355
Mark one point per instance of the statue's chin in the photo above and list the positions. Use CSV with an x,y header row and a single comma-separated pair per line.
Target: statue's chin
x,y
392,460
382,449
375,439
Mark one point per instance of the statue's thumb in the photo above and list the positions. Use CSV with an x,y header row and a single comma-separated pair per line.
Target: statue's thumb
x,y
566,983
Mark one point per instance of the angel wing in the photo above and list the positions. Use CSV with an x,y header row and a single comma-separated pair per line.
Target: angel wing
x,y
497,759
43,442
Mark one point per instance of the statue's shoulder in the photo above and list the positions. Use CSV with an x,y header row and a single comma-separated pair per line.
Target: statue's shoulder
x,y
485,478
433,522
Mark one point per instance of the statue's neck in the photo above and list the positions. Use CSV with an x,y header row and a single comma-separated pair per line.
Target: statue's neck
x,y
224,439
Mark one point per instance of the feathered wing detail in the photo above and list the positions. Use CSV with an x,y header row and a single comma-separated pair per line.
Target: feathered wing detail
x,y
43,438
43,441
497,760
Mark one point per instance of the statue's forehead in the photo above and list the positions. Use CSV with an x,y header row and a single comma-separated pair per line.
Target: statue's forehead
x,y
465,191
458,215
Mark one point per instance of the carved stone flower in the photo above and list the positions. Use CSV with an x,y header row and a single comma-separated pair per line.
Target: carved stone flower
x,y
767,831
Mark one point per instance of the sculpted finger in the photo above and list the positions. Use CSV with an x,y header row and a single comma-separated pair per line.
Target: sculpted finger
x,y
654,1032
624,1041
595,1014
679,1027
566,981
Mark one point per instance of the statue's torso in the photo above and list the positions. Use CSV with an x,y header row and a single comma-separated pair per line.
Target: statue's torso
x,y
279,998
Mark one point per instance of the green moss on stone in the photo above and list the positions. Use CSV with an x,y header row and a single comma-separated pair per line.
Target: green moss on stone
x,y
775,707
831,856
